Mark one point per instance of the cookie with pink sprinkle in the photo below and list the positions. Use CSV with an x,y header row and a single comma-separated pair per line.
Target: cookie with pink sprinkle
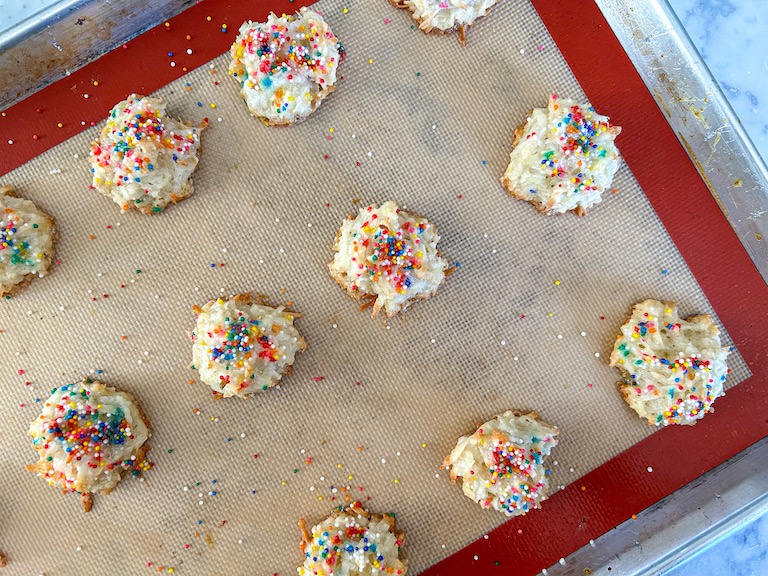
x,y
503,464
88,437
674,369
143,158
286,66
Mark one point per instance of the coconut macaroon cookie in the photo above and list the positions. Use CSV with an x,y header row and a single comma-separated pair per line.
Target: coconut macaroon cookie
x,y
388,256
502,465
144,159
27,239
352,542
286,66
88,436
563,159
241,346
674,369
445,16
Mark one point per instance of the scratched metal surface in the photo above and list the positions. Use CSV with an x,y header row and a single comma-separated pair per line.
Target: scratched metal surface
x,y
66,36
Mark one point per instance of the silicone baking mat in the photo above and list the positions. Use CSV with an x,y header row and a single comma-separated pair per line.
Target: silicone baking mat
x,y
373,406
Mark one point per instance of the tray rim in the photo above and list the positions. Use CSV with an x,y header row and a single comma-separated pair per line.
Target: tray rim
x,y
676,75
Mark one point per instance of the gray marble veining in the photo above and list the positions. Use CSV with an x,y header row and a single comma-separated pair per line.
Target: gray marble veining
x,y
732,37
740,553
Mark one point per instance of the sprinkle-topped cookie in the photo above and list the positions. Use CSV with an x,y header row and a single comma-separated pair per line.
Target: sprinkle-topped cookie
x,y
674,369
88,435
445,16
388,256
241,347
564,158
27,238
352,542
143,159
502,465
286,66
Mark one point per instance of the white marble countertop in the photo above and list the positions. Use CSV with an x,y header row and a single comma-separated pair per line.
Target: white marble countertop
x,y
743,552
14,11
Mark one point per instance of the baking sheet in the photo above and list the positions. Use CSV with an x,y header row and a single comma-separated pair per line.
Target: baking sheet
x,y
428,124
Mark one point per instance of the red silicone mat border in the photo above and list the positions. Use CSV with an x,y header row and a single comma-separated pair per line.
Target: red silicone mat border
x,y
613,492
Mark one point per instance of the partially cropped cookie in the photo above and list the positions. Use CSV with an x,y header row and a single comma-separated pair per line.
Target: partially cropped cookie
x,y
564,158
674,369
27,238
242,346
389,257
503,464
286,66
88,436
445,16
352,542
144,159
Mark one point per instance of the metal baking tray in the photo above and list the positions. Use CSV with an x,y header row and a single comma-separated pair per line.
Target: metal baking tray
x,y
71,33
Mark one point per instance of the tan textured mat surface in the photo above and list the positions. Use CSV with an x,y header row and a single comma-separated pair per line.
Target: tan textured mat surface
x,y
375,404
